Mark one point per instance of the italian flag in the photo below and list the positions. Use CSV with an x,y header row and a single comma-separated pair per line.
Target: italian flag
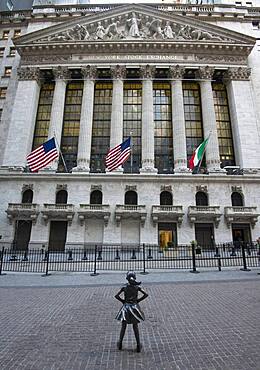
x,y
196,159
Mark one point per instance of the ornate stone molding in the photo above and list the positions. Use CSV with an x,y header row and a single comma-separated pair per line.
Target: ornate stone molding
x,y
237,74
61,187
61,73
96,187
118,72
130,188
27,74
205,73
176,72
27,187
147,72
237,189
166,188
202,188
89,72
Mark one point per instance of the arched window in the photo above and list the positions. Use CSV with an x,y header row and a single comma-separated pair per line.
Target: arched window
x,y
165,198
96,197
131,197
27,196
237,199
61,197
201,199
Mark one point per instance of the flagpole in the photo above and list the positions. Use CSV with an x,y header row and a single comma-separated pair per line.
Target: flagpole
x,y
60,153
131,157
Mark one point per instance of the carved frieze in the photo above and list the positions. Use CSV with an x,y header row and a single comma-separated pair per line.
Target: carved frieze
x,y
166,188
89,72
27,74
238,73
61,187
27,187
118,72
220,58
202,188
237,189
134,26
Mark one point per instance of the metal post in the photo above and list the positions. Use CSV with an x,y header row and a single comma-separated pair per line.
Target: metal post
x,y
25,256
149,254
133,255
47,256
94,273
194,270
219,263
244,258
144,272
84,258
70,258
117,257
2,260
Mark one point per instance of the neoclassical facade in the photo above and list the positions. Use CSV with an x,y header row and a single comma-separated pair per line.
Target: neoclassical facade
x,y
158,74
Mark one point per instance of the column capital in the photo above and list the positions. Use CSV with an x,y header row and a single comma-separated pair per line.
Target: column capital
x,y
61,73
29,73
118,72
89,72
176,72
147,72
237,74
205,73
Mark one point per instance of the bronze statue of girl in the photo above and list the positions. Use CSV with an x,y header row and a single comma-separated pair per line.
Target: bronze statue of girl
x,y
130,312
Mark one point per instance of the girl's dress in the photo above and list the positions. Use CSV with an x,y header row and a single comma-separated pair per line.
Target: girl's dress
x,y
130,312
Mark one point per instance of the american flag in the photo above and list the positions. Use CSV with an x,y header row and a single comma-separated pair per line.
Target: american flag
x,y
118,155
42,155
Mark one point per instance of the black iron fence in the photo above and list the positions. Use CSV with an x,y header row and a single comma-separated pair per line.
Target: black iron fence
x,y
128,257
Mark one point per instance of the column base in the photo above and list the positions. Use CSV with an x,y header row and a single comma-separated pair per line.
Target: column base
x,y
81,169
148,169
182,170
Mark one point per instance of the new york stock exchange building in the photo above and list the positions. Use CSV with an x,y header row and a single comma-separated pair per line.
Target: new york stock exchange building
x,y
166,74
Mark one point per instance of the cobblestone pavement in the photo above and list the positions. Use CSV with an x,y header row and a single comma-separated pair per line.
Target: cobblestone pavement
x,y
189,325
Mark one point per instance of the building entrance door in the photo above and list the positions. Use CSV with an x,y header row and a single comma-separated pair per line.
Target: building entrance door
x,y
58,235
241,233
167,235
204,234
22,234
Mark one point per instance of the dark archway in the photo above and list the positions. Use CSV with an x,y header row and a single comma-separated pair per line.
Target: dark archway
x,y
201,199
61,197
96,197
237,199
131,197
165,198
27,196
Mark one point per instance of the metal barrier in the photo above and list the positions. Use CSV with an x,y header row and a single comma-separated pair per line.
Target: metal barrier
x,y
138,258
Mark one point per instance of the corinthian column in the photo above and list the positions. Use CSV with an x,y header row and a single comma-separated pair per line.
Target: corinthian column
x,y
86,119
178,120
205,75
21,129
116,129
147,73
61,75
243,117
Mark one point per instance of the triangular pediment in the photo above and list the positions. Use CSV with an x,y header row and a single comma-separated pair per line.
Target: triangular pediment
x,y
133,23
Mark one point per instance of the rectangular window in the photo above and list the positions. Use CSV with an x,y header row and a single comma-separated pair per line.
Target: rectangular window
x,y
12,52
1,111
5,35
3,91
133,123
17,33
163,141
255,25
2,50
226,149
71,123
101,125
8,71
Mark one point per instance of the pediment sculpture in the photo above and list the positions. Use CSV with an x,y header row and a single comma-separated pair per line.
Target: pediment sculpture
x,y
131,27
